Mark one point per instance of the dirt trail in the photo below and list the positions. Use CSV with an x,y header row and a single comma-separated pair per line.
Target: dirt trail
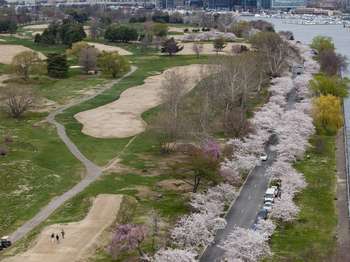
x,y
79,236
122,118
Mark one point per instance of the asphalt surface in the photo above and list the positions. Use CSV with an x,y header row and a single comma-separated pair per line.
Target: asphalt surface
x,y
246,206
93,171
244,210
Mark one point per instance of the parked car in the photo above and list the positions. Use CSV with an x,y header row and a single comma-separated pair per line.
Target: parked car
x,y
276,190
263,157
5,242
268,206
262,214
269,195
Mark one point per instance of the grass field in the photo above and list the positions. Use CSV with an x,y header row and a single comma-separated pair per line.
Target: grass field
x,y
37,167
312,236
102,150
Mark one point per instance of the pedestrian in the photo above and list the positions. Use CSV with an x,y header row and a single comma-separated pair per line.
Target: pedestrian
x,y
52,238
62,233
57,238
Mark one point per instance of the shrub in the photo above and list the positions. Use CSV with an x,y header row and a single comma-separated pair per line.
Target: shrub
x,y
322,43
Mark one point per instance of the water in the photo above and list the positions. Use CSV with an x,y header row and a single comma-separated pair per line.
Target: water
x,y
305,33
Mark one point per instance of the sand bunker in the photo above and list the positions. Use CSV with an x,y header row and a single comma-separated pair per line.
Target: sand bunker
x,y
7,52
122,118
208,49
79,238
109,48
34,27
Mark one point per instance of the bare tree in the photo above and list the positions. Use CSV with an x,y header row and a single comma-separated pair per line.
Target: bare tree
x,y
273,49
17,99
197,48
88,58
224,21
227,92
169,124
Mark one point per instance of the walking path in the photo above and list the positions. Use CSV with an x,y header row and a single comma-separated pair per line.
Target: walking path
x,y
93,171
343,226
79,237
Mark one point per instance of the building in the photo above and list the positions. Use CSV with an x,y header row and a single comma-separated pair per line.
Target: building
x,y
264,4
287,4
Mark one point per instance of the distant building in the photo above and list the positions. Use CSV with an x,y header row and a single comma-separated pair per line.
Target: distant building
x,y
287,4
232,4
264,4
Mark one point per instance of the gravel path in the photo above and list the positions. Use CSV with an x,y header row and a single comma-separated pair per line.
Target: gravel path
x,y
93,171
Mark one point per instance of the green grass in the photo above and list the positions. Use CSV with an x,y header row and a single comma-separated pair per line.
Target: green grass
x,y
37,168
62,90
11,40
312,236
102,150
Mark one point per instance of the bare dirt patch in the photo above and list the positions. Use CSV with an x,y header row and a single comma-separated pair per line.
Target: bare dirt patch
x,y
175,185
122,118
109,48
79,237
9,51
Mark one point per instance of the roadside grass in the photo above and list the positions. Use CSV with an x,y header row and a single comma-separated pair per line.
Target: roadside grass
x,y
37,167
312,236
103,150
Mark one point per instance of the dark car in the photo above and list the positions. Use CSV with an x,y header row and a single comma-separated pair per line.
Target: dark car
x,y
5,242
262,214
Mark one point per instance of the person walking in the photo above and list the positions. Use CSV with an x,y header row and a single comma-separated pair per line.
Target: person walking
x,y
62,233
52,238
57,238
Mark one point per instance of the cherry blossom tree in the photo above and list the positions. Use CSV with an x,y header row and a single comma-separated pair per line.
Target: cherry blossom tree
x,y
214,200
265,227
284,208
175,255
127,237
246,244
211,149
197,230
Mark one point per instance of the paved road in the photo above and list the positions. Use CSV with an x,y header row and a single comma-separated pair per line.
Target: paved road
x,y
247,205
93,171
244,210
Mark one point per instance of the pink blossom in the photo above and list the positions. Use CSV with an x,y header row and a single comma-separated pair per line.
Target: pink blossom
x,y
175,255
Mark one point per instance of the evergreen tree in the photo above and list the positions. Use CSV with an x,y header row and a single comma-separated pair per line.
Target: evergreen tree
x,y
57,65
171,47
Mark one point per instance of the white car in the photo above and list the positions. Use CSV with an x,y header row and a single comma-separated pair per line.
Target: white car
x,y
269,195
276,190
263,157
